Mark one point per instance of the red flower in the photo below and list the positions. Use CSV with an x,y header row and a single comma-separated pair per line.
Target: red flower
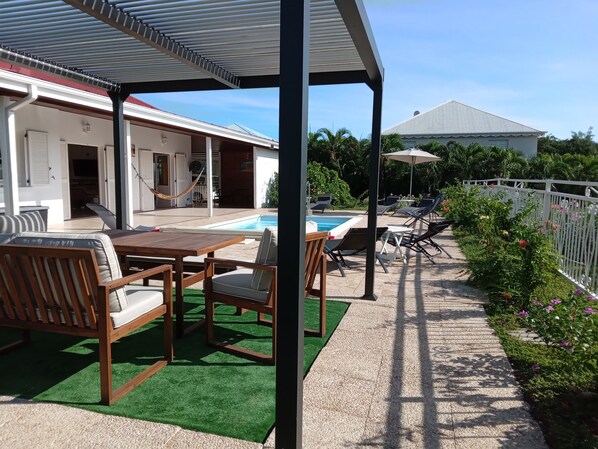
x,y
523,243
506,295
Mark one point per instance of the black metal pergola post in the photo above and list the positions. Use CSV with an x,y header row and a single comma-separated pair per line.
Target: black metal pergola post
x,y
294,82
120,169
373,192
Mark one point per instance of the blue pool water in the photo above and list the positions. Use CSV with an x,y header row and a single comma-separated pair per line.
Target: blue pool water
x,y
263,221
253,227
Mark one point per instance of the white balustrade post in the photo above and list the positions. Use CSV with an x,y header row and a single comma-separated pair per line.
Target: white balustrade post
x,y
546,206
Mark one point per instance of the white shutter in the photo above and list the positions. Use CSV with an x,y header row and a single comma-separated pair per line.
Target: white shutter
x,y
38,167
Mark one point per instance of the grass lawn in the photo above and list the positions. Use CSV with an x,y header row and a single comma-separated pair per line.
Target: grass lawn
x,y
203,389
563,399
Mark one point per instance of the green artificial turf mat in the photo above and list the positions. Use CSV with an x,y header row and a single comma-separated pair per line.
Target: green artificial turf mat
x,y
203,389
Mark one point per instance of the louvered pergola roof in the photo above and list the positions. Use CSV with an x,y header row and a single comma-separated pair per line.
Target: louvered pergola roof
x,y
134,44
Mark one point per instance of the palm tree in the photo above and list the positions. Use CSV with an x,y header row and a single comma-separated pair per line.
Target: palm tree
x,y
336,146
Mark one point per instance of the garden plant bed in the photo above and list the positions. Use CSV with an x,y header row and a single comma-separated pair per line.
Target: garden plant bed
x,y
563,397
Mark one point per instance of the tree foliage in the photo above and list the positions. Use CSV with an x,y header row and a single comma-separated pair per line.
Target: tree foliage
x,y
579,143
339,164
321,180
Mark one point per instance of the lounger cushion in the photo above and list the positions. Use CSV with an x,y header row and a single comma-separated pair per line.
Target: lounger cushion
x,y
27,221
238,283
267,254
104,252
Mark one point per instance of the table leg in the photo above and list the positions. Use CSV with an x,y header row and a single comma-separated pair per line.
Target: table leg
x,y
384,240
398,239
181,329
178,304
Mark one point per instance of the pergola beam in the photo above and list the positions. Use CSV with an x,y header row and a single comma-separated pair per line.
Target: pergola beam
x,y
353,14
247,82
125,22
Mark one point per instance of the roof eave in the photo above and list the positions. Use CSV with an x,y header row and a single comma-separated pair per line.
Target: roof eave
x,y
18,83
458,135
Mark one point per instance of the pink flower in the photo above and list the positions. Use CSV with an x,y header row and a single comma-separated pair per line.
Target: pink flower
x,y
555,301
537,303
523,243
589,310
523,314
549,309
535,367
565,343
578,292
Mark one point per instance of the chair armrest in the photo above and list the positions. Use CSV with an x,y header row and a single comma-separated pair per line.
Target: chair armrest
x,y
121,282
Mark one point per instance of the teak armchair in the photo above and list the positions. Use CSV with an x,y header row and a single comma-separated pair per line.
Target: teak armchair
x,y
71,284
235,288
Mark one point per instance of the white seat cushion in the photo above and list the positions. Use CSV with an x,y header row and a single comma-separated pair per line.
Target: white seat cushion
x,y
141,300
104,252
238,283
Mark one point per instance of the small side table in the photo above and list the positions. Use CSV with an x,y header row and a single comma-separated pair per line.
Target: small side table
x,y
396,233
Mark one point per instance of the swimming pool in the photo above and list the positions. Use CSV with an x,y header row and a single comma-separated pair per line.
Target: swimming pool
x,y
254,226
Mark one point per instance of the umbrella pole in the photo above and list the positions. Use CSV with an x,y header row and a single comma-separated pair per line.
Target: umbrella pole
x,y
411,181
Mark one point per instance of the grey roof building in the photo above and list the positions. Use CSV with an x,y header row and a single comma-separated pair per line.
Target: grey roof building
x,y
454,121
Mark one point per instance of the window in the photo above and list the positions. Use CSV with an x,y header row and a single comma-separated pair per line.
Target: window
x,y
500,143
162,169
37,161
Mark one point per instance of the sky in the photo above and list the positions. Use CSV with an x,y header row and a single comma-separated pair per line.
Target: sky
x,y
531,61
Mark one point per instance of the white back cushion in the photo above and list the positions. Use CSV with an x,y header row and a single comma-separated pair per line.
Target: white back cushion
x,y
104,251
267,254
27,221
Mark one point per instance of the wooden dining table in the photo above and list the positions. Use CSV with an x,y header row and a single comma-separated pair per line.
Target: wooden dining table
x,y
175,246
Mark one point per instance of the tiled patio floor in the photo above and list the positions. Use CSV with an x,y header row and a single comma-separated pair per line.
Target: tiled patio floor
x,y
418,368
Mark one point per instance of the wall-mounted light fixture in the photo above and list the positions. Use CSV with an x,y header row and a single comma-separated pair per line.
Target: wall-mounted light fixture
x,y
86,127
164,139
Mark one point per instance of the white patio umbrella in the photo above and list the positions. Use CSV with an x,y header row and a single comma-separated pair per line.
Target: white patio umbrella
x,y
412,156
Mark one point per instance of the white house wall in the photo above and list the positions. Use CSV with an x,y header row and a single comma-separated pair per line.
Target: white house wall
x,y
47,120
528,146
68,126
266,164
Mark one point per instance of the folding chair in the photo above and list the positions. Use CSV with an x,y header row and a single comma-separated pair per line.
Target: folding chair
x,y
389,204
109,219
417,243
415,213
354,242
323,202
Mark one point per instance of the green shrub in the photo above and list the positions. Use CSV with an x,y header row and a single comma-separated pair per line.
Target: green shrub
x,y
570,323
321,181
272,192
514,256
324,180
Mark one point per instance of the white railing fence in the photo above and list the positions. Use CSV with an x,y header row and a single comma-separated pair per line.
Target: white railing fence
x,y
571,219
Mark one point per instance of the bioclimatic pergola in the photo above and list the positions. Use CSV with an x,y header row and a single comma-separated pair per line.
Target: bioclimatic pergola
x,y
142,46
